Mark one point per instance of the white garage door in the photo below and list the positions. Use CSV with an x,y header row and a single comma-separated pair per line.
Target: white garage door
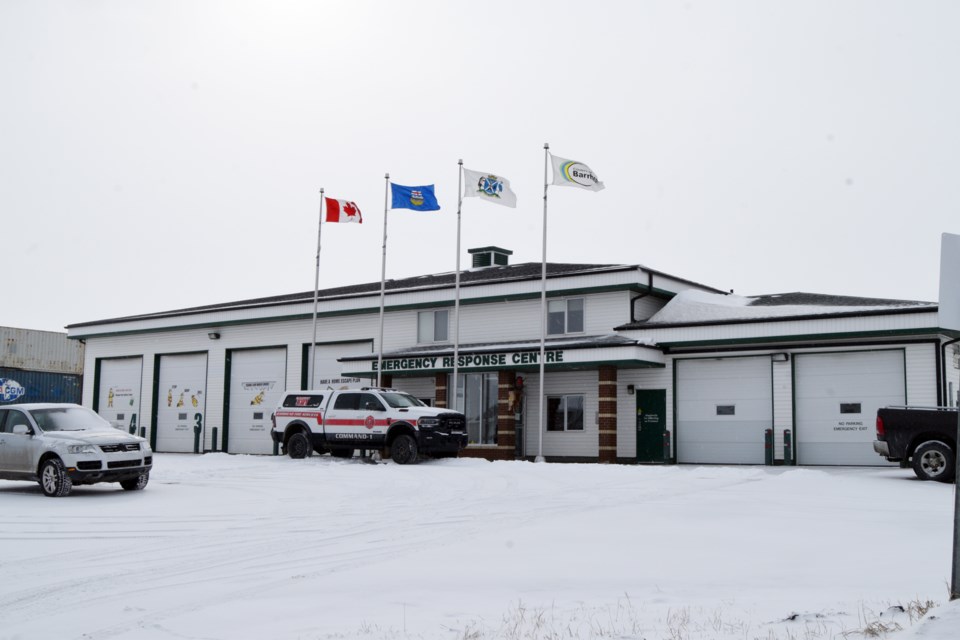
x,y
257,381
182,403
837,396
724,407
328,372
119,392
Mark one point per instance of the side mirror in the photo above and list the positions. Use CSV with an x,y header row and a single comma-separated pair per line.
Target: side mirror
x,y
21,429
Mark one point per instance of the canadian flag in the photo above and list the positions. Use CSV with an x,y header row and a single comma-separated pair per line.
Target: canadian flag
x,y
342,211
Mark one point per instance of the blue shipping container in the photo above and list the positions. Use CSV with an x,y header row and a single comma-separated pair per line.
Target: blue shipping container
x,y
18,386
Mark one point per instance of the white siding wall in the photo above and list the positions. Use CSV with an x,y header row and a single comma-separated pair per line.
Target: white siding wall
x,y
568,443
921,366
782,406
505,321
647,306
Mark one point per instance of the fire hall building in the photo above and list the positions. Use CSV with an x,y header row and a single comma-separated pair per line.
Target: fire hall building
x,y
640,366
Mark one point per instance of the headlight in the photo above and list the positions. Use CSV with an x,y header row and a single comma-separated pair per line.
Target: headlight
x,y
82,448
145,447
429,422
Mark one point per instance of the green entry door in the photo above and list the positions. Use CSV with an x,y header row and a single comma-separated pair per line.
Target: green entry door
x,y
651,424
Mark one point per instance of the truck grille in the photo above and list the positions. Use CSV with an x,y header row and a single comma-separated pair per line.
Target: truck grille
x,y
453,421
118,448
89,465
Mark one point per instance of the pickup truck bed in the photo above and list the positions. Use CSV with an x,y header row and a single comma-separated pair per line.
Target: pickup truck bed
x,y
924,438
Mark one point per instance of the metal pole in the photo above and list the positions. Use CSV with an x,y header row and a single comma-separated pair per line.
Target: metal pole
x,y
316,293
383,276
955,581
456,303
543,301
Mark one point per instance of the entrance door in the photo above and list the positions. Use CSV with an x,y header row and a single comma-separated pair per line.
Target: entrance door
x,y
477,399
651,424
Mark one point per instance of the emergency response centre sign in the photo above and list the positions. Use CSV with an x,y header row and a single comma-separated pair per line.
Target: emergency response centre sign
x,y
470,361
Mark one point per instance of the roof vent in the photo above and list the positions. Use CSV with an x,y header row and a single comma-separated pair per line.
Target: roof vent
x,y
490,256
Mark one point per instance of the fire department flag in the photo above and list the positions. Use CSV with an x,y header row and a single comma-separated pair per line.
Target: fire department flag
x,y
570,173
420,198
495,189
342,211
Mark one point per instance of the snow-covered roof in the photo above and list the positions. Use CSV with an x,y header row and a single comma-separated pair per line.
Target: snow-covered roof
x,y
700,307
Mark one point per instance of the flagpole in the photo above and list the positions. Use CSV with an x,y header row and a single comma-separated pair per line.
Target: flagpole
x,y
383,276
316,294
456,303
543,300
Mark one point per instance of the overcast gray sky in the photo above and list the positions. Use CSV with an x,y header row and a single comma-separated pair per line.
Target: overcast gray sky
x,y
166,154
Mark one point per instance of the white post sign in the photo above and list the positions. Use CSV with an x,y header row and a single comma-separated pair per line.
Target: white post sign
x,y
949,318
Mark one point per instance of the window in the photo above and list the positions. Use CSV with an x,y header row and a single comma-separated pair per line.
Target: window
x,y
14,418
565,316
726,409
565,413
432,326
370,402
850,407
400,400
311,401
348,402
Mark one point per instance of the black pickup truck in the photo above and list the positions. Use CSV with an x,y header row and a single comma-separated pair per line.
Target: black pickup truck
x,y
922,437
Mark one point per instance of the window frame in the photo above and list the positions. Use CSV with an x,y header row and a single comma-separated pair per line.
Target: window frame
x,y
563,397
567,314
433,315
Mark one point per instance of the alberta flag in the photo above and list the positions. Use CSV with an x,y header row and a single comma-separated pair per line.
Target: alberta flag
x,y
342,211
418,198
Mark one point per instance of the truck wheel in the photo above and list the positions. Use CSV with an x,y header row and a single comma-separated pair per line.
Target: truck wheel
x,y
934,461
403,450
135,484
54,481
341,453
298,446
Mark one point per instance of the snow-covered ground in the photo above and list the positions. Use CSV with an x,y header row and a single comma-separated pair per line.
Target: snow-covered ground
x,y
233,547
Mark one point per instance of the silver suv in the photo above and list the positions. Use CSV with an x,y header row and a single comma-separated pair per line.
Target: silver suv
x,y
60,445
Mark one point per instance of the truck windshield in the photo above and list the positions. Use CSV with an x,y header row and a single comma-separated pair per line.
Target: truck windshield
x,y
69,419
401,400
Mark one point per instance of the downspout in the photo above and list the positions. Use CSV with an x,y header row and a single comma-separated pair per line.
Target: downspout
x,y
633,301
942,386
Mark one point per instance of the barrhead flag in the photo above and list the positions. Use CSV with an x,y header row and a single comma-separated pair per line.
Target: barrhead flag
x,y
486,186
342,211
417,198
570,173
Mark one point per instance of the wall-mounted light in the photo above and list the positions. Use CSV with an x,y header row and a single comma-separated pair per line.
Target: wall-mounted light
x,y
213,335
780,357
630,389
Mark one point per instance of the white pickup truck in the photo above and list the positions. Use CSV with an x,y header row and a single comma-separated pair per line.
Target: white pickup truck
x,y
368,418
